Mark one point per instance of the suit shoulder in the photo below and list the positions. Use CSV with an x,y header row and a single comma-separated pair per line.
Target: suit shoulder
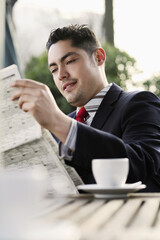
x,y
144,96
140,96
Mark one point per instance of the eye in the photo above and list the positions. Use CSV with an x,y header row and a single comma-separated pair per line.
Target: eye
x,y
71,61
53,70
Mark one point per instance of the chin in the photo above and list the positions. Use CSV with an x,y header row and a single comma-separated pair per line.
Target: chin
x,y
72,103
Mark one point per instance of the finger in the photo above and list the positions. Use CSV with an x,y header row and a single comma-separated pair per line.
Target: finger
x,y
28,91
27,83
21,91
16,95
26,99
27,106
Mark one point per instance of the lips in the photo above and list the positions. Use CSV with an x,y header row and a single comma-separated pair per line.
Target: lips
x,y
68,85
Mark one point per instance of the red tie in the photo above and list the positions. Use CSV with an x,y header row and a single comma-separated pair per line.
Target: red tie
x,y
81,115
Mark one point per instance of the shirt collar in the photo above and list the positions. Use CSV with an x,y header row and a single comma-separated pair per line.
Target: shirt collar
x,y
95,102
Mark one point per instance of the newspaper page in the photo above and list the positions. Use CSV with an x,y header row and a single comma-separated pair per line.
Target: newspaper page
x,y
17,127
23,143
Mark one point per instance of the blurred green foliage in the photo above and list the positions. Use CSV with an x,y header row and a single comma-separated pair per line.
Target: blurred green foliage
x,y
119,66
119,69
153,84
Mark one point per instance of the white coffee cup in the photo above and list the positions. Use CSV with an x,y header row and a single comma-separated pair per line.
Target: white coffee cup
x,y
111,172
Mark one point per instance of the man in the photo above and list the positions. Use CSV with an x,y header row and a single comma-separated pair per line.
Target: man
x,y
118,124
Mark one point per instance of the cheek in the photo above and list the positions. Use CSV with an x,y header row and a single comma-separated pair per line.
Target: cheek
x,y
82,73
58,85
87,75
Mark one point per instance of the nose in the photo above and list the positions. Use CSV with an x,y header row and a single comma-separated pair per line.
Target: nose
x,y
62,73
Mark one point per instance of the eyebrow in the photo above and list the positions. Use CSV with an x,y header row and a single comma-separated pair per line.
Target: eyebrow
x,y
63,58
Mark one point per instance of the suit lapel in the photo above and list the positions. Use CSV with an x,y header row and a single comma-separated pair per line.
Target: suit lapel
x,y
106,106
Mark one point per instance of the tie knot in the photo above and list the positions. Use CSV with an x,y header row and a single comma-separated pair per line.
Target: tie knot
x,y
81,115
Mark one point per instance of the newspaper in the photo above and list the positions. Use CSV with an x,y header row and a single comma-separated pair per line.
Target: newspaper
x,y
23,143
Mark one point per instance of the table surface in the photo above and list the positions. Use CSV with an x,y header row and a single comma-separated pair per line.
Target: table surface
x,y
136,217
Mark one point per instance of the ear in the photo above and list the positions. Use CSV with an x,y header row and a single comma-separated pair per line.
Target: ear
x,y
100,56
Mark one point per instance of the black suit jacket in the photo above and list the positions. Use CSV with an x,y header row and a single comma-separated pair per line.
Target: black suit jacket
x,y
127,124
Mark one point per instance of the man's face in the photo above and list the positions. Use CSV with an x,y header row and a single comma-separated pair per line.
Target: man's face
x,y
74,71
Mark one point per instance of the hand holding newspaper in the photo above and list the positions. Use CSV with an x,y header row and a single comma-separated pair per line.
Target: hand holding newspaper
x,y
23,143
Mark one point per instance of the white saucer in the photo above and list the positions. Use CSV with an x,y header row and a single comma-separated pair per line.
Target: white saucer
x,y
111,192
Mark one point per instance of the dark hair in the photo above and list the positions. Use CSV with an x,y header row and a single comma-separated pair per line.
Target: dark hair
x,y
80,35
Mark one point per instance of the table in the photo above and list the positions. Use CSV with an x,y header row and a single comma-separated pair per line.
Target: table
x,y
136,217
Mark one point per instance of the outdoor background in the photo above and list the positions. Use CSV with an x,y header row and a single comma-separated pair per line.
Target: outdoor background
x,y
133,51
